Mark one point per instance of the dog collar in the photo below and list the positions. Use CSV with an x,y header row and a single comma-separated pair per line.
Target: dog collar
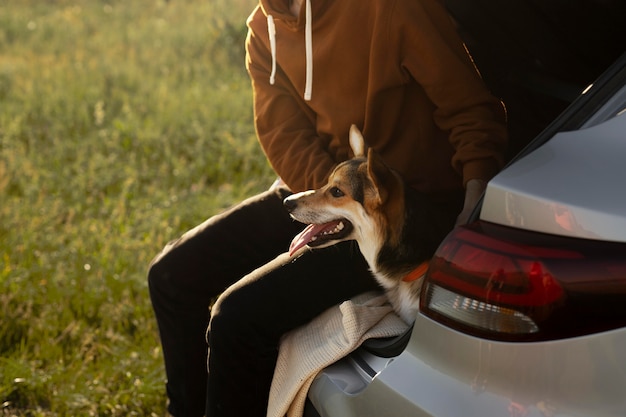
x,y
417,272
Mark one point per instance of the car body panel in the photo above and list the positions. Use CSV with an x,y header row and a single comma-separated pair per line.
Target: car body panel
x,y
448,373
571,186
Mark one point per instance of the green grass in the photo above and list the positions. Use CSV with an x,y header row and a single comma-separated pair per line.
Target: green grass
x,y
122,124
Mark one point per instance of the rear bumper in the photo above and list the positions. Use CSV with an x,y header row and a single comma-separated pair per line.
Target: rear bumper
x,y
446,373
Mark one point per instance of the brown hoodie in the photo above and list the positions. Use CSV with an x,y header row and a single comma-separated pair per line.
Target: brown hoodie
x,y
395,68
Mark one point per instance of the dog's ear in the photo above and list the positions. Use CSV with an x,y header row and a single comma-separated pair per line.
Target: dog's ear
x,y
380,175
356,142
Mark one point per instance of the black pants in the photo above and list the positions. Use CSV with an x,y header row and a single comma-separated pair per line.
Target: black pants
x,y
266,293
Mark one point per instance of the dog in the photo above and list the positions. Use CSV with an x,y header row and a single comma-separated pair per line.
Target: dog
x,y
366,201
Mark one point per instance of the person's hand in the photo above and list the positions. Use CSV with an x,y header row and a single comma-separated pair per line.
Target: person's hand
x,y
473,190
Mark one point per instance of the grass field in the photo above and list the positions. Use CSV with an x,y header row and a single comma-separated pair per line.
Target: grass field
x,y
122,124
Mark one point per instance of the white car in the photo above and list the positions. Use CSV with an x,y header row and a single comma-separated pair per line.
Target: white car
x,y
523,310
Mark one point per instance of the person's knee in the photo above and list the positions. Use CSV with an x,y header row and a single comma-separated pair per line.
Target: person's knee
x,y
160,274
226,313
233,316
156,275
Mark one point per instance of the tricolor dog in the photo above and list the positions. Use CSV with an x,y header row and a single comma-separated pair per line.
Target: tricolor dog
x,y
366,201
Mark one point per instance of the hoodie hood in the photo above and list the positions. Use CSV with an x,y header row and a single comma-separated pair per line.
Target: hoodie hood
x,y
279,9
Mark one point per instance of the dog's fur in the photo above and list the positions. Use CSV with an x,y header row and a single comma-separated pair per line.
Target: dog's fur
x,y
366,201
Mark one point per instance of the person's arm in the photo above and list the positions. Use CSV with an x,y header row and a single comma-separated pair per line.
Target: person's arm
x,y
434,55
285,124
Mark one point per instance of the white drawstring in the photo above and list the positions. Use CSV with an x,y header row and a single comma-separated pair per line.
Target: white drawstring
x,y
308,39
272,33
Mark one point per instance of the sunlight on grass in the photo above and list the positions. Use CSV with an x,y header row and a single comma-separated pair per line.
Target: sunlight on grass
x,y
122,124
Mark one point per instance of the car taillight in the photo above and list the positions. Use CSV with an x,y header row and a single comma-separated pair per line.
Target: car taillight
x,y
507,284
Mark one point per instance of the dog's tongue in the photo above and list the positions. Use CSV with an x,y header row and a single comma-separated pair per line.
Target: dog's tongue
x,y
304,237
307,234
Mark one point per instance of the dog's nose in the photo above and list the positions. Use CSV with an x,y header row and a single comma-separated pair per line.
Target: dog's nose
x,y
290,203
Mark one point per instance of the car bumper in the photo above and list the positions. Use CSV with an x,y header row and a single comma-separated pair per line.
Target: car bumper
x,y
446,373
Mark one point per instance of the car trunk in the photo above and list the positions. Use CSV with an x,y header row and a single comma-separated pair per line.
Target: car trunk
x,y
539,55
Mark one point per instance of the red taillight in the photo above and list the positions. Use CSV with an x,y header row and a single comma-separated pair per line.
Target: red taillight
x,y
507,284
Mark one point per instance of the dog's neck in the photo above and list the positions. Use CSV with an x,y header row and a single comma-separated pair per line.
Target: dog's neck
x,y
414,245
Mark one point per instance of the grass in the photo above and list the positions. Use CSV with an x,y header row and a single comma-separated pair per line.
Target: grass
x,y
122,124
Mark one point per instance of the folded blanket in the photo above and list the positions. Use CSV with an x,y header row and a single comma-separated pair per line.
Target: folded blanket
x,y
335,333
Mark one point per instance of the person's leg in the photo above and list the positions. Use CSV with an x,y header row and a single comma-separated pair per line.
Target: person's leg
x,y
249,319
193,270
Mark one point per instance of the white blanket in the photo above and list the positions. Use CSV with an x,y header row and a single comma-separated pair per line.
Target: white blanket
x,y
335,333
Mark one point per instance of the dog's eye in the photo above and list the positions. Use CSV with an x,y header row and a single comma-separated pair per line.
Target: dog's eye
x,y
336,192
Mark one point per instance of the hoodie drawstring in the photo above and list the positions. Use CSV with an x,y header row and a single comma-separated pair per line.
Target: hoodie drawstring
x,y
272,33
308,40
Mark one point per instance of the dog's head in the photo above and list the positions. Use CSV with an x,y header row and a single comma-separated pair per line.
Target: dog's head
x,y
363,201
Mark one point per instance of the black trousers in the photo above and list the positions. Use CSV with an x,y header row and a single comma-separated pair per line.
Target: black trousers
x,y
240,254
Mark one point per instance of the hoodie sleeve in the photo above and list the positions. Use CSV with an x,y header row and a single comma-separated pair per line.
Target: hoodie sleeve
x,y
285,125
433,54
